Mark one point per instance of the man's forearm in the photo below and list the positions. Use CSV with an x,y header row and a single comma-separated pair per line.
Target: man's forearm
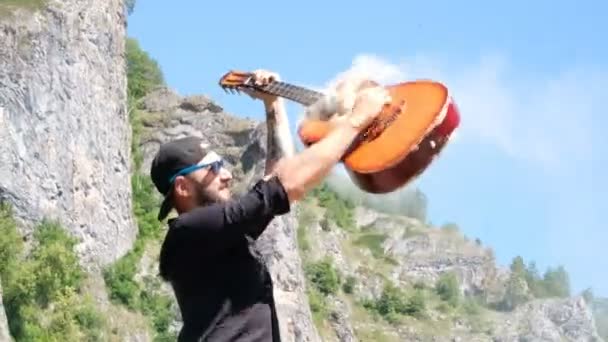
x,y
305,170
299,173
279,140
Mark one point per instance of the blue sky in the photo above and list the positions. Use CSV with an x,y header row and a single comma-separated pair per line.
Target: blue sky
x,y
524,173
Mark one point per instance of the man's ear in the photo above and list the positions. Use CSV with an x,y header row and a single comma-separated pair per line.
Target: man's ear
x,y
180,186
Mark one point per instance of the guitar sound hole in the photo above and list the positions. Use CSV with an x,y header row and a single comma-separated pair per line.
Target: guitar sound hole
x,y
380,124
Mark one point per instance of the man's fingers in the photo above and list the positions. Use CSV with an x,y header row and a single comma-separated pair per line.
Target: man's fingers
x,y
263,77
375,94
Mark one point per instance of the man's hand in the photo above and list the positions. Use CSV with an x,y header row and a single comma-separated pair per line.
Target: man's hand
x,y
263,77
306,169
368,105
340,100
346,92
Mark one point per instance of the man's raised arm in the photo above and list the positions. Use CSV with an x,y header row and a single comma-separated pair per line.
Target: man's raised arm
x,y
298,173
279,143
301,172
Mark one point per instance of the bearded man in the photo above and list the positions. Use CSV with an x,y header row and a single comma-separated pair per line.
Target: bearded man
x,y
222,286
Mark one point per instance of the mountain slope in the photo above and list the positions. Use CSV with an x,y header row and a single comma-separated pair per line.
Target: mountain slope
x,y
387,277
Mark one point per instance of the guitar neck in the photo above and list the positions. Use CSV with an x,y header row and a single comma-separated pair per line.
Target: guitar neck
x,y
292,92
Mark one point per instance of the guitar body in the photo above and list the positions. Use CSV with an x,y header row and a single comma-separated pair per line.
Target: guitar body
x,y
410,133
399,145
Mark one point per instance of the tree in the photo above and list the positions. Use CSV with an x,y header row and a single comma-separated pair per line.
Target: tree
x,y
532,274
516,292
557,282
452,227
447,288
518,267
143,72
130,6
588,295
324,276
534,280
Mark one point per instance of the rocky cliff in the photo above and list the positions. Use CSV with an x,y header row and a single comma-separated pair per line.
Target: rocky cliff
x,y
386,277
64,132
4,331
424,254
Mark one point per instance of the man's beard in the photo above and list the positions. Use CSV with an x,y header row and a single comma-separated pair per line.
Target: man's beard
x,y
204,197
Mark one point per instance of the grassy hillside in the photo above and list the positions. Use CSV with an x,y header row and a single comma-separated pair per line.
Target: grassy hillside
x,y
428,309
352,266
47,295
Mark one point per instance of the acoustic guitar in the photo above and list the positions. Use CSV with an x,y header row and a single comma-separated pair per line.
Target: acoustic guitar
x,y
398,146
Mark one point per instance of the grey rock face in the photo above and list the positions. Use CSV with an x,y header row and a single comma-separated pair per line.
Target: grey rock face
x,y
4,332
242,142
424,254
64,132
550,320
340,321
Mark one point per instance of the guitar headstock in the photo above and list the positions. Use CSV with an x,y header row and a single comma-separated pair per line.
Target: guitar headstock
x,y
236,80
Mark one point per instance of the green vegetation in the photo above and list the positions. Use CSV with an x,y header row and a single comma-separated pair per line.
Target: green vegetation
x,y
413,304
32,4
447,288
554,283
130,6
143,72
349,284
373,242
450,227
7,7
43,290
338,210
143,296
323,280
395,302
407,202
324,276
525,283
306,217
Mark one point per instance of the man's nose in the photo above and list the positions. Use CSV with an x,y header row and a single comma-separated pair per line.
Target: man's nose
x,y
225,174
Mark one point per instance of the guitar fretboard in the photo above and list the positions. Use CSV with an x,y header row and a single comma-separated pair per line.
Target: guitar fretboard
x,y
295,93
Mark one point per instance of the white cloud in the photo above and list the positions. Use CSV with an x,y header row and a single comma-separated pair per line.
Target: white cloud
x,y
545,121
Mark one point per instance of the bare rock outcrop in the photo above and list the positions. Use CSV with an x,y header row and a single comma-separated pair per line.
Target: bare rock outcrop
x,y
64,130
425,253
549,320
4,331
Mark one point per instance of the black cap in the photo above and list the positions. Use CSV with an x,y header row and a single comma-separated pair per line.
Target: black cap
x,y
172,157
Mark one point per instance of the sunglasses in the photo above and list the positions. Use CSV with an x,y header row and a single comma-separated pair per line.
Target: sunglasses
x,y
214,166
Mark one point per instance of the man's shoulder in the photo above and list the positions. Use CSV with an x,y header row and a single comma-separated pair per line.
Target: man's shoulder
x,y
264,200
198,217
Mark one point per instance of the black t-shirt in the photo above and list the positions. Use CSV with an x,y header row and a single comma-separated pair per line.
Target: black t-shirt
x,y
222,286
